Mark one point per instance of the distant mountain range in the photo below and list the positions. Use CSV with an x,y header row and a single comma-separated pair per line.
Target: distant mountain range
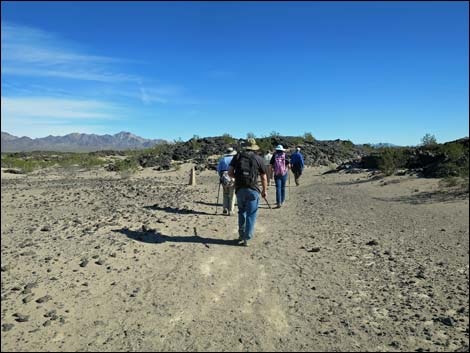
x,y
76,142
383,144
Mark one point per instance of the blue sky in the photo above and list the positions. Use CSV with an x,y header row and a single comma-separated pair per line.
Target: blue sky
x,y
363,71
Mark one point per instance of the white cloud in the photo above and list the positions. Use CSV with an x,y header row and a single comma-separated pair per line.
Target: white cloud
x,y
32,52
42,116
21,108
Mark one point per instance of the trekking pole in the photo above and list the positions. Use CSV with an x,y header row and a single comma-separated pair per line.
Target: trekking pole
x,y
265,199
217,204
288,194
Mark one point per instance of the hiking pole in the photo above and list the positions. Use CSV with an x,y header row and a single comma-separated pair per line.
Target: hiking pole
x,y
265,199
288,194
217,204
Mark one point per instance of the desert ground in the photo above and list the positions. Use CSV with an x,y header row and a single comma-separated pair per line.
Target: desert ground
x,y
97,261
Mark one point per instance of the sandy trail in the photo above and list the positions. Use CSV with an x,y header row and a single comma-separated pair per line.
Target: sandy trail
x,y
349,264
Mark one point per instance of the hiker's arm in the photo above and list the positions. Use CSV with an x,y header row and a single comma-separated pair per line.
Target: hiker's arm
x,y
231,173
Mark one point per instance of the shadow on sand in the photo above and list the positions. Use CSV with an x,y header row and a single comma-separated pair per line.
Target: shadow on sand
x,y
157,238
428,197
208,203
176,210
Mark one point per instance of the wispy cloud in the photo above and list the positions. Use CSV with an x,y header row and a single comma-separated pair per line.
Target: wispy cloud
x,y
41,116
49,85
30,51
17,108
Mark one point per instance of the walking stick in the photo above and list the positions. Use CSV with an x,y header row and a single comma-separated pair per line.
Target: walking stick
x,y
265,199
217,204
288,194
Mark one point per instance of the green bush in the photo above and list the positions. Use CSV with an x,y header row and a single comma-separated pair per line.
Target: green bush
x,y
428,140
250,135
125,165
265,144
228,139
298,141
391,159
309,137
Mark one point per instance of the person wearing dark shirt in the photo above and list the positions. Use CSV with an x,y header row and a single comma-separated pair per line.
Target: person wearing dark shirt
x,y
246,167
297,162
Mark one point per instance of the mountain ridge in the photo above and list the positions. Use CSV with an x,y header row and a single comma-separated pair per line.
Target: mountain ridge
x,y
76,142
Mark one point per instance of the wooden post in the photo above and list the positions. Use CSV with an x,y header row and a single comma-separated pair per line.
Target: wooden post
x,y
192,177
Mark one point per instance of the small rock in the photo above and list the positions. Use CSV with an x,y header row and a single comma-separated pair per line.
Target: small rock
x,y
21,317
51,313
44,299
28,298
446,320
372,242
315,249
7,327
84,263
45,228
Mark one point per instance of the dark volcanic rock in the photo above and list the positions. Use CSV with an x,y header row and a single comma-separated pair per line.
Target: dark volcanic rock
x,y
7,327
20,317
44,299
372,242
446,320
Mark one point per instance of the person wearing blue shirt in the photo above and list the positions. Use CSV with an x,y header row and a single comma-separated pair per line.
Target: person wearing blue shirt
x,y
297,163
227,182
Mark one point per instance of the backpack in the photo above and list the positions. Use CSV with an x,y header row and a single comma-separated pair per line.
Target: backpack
x,y
246,171
225,179
280,164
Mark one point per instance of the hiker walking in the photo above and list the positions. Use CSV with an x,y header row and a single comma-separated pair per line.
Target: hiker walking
x,y
245,168
267,160
297,163
279,165
228,183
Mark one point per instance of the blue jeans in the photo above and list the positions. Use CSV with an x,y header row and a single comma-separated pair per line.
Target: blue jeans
x,y
247,200
280,188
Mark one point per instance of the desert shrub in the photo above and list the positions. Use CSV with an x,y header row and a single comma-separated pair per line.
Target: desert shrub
x,y
348,145
25,164
265,144
309,137
128,165
195,143
250,135
390,159
297,141
428,140
228,139
454,151
81,160
459,184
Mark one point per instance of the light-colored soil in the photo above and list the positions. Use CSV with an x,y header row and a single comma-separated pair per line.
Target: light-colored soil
x,y
348,264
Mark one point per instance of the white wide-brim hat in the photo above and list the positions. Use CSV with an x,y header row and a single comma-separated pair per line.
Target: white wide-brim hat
x,y
280,148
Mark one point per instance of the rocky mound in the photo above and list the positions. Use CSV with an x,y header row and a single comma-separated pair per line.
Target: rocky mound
x,y
202,151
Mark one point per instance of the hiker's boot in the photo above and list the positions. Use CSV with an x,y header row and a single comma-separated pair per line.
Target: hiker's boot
x,y
225,211
244,243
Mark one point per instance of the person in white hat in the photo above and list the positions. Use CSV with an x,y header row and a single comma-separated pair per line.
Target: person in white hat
x,y
228,183
280,166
